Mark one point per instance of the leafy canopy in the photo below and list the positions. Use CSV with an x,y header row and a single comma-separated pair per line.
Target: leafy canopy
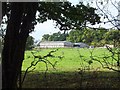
x,y
66,15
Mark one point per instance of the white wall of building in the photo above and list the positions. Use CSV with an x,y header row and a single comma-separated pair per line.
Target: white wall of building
x,y
55,44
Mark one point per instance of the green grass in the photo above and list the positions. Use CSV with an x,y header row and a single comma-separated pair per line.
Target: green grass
x,y
71,60
66,72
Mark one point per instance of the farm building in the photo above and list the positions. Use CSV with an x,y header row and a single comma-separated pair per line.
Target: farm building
x,y
55,44
81,45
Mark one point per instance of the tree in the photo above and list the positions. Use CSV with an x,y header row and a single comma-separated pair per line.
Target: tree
x,y
98,37
54,37
29,43
45,37
75,36
21,21
19,24
112,37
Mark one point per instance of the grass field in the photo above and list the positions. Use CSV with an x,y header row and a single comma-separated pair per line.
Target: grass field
x,y
68,69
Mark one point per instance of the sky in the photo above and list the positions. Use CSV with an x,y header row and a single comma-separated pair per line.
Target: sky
x,y
44,28
49,26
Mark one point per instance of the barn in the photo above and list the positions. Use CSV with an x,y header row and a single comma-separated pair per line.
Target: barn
x,y
55,44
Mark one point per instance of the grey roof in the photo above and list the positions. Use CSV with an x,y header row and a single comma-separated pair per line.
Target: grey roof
x,y
54,42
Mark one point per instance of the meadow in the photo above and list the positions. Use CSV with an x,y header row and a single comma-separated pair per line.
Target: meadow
x,y
68,68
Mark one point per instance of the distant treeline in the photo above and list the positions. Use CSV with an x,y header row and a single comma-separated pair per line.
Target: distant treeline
x,y
98,37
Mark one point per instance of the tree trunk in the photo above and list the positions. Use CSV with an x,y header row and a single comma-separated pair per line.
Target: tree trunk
x,y
15,40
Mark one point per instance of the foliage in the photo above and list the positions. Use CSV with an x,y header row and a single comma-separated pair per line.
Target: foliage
x,y
54,37
29,43
98,37
66,15
89,36
113,37
45,37
75,36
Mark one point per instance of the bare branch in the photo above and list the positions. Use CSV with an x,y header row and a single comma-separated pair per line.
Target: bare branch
x,y
41,59
105,14
114,5
106,63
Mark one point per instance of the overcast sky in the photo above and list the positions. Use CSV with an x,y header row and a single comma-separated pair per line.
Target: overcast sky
x,y
49,26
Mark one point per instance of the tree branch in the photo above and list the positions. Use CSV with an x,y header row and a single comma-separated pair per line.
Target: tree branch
x,y
42,59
